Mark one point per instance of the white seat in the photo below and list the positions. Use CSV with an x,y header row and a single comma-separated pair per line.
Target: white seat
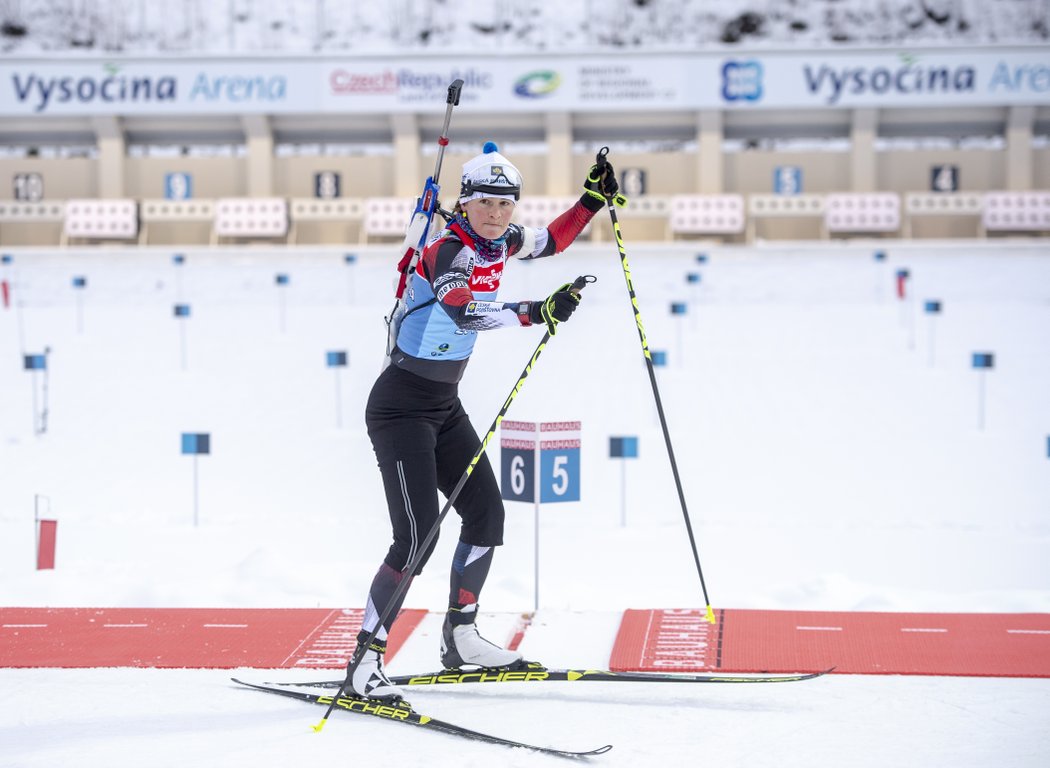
x,y
250,217
707,214
1016,211
101,219
387,216
857,212
538,211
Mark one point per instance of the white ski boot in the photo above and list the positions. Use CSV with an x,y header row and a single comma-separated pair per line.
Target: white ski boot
x,y
461,644
369,680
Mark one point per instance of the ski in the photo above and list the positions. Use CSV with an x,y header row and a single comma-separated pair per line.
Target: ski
x,y
538,673
402,712
535,673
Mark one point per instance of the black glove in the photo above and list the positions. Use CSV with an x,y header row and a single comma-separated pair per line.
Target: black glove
x,y
554,309
601,181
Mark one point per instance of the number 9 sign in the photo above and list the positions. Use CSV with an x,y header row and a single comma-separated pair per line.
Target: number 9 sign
x,y
178,186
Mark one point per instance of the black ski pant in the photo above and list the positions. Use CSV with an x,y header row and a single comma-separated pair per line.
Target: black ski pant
x,y
424,441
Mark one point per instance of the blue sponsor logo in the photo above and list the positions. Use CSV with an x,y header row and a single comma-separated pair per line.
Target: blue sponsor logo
x,y
109,86
536,85
742,80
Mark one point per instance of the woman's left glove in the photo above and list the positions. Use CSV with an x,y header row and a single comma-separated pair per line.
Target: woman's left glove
x,y
556,308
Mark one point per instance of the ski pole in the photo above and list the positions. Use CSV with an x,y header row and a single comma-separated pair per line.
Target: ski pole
x,y
601,162
578,285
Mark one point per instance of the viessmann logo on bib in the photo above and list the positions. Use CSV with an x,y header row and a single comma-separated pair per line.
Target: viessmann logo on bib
x,y
486,278
742,80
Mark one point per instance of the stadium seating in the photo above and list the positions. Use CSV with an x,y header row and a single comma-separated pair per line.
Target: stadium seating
x,y
781,206
101,219
387,216
343,210
15,215
932,204
162,211
706,215
537,211
647,206
1016,211
12,211
344,219
250,217
862,212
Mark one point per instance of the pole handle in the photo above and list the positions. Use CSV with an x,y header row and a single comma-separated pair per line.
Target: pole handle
x,y
602,162
581,282
454,91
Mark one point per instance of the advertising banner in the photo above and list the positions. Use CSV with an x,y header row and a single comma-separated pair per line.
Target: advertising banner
x,y
941,78
66,87
946,77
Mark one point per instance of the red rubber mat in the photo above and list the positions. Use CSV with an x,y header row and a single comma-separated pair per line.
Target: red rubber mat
x,y
972,644
267,638
1004,645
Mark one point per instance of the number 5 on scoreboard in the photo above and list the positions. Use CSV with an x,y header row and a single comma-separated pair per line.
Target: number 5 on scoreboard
x,y
560,475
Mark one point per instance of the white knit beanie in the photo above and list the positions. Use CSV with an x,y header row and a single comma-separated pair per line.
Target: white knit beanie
x,y
490,174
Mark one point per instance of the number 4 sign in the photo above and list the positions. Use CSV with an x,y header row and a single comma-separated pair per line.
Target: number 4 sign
x,y
944,178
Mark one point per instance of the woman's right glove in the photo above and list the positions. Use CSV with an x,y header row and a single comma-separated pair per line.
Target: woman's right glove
x,y
601,184
556,308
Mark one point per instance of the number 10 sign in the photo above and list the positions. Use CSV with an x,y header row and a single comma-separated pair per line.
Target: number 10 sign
x,y
551,446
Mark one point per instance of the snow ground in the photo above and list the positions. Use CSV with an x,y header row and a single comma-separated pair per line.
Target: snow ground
x,y
829,462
